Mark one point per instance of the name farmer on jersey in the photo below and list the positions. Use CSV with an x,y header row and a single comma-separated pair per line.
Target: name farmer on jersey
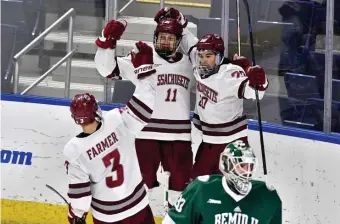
x,y
104,144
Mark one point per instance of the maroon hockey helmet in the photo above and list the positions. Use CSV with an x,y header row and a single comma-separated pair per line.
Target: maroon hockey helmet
x,y
171,26
84,109
210,43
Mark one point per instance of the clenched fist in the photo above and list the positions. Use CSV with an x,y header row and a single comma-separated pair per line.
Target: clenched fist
x,y
142,60
256,77
112,32
242,62
167,12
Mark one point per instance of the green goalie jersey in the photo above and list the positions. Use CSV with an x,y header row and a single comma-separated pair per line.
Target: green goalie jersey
x,y
209,200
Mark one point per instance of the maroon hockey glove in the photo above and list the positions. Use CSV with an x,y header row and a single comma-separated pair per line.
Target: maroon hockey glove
x,y
73,219
142,60
112,32
256,77
167,12
77,220
242,62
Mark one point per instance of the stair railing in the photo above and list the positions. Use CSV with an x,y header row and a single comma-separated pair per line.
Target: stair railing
x,y
70,14
161,4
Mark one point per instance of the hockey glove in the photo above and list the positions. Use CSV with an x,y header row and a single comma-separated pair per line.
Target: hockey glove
x,y
167,12
77,220
242,62
256,77
73,219
142,60
111,33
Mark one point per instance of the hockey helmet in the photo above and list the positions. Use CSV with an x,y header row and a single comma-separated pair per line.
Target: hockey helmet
x,y
85,109
210,43
168,26
238,163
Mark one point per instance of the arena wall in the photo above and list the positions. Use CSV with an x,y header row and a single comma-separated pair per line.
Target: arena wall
x,y
303,165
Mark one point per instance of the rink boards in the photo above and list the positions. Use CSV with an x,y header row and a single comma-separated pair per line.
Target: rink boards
x,y
303,165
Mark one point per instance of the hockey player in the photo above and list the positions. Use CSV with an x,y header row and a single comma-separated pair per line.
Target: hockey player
x,y
229,198
221,86
166,139
102,165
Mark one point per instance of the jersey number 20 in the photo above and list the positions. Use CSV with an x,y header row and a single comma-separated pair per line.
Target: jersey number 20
x,y
113,158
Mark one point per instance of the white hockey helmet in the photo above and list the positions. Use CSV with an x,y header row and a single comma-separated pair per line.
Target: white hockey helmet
x,y
238,163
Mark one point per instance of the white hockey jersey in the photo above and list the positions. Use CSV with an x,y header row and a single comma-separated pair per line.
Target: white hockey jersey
x,y
219,98
103,169
171,116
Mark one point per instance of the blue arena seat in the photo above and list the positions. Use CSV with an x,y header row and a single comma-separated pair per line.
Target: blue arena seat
x,y
314,114
300,86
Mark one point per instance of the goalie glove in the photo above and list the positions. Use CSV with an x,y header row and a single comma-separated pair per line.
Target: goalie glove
x,y
167,12
111,33
142,60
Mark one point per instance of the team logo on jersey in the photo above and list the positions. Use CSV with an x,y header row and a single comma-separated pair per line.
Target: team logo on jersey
x,y
213,201
237,209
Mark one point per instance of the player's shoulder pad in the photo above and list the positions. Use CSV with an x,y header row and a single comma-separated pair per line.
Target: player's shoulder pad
x,y
270,187
230,71
71,151
231,67
114,116
261,184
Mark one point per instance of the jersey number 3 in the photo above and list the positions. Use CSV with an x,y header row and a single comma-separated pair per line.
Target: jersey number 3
x,y
113,158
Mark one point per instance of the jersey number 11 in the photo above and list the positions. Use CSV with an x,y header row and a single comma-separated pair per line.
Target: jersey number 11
x,y
171,95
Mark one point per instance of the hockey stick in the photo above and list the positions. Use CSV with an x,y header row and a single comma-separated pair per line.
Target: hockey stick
x,y
55,191
238,27
166,203
256,91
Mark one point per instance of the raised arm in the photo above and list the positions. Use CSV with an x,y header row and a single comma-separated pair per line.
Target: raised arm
x,y
107,64
250,78
188,42
139,109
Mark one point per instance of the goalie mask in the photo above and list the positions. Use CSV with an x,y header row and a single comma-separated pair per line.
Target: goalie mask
x,y
85,109
210,49
167,37
238,163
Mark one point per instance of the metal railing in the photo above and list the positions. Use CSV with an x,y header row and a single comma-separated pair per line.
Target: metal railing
x,y
161,4
111,12
70,14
